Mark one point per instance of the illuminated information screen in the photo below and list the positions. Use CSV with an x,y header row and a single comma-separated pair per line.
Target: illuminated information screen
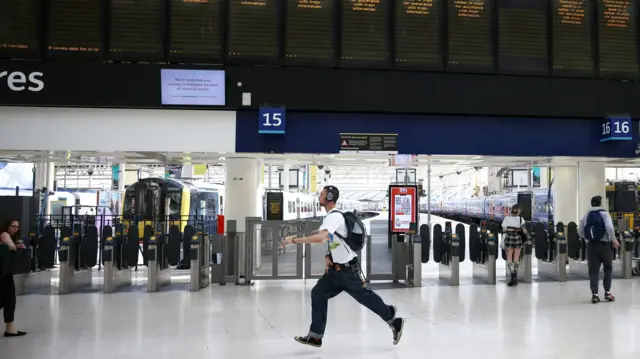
x,y
364,33
310,32
136,30
253,30
20,28
418,34
617,45
522,37
573,50
75,29
470,43
195,31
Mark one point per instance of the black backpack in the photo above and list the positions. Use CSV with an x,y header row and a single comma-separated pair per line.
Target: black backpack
x,y
356,231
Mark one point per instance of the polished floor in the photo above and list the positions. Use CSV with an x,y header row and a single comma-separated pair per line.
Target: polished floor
x,y
540,320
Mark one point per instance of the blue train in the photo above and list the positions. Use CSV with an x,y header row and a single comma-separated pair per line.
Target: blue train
x,y
493,209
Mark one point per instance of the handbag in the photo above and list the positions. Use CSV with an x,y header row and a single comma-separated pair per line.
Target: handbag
x,y
20,261
4,260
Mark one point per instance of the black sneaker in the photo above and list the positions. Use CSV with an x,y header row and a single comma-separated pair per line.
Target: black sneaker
x,y
609,297
314,342
396,327
595,299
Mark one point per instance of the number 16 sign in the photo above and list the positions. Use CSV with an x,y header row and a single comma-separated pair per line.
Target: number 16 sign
x,y
616,128
272,120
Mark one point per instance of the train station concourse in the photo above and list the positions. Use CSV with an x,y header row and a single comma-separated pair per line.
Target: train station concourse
x,y
205,178
170,253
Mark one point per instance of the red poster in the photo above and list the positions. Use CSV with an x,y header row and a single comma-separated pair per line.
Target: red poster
x,y
403,208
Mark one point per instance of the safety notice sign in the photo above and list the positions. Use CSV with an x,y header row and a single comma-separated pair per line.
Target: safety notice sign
x,y
403,203
369,143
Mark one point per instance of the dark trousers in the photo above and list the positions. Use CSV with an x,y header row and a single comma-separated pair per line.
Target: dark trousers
x,y
8,297
600,254
333,283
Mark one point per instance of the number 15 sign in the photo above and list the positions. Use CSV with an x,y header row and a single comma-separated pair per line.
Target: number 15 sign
x,y
272,120
616,128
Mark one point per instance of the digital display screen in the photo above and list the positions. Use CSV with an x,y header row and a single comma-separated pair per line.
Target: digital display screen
x,y
75,29
617,45
196,31
470,43
310,33
20,28
136,30
573,50
522,37
364,33
193,87
418,34
253,31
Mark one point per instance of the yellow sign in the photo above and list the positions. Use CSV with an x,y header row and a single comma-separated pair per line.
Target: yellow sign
x,y
313,179
109,239
199,170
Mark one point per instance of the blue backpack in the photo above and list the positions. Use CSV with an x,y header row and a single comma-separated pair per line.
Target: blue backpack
x,y
594,229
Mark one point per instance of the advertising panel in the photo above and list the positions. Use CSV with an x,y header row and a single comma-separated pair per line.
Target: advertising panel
x,y
403,205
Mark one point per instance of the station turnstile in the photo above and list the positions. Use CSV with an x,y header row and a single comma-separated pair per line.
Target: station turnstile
x,y
71,279
200,258
556,266
449,252
483,249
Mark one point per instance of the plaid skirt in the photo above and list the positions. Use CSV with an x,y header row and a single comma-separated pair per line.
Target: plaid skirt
x,y
512,240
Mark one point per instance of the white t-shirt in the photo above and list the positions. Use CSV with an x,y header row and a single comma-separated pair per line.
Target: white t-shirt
x,y
512,221
334,223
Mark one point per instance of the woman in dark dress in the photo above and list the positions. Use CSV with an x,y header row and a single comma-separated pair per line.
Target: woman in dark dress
x,y
9,235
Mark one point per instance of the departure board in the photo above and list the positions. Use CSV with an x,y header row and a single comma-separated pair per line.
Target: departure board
x,y
137,28
617,44
310,38
196,28
253,31
20,28
418,34
75,29
522,37
470,43
572,37
365,42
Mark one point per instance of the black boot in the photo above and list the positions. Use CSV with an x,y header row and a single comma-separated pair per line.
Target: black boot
x,y
514,280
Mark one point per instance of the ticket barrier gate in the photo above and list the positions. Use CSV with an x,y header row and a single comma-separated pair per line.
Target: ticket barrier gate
x,y
409,255
551,251
449,250
525,272
116,272
200,256
623,264
77,256
162,250
42,249
483,252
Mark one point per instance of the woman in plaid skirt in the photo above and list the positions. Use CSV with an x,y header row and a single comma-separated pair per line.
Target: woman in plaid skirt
x,y
513,229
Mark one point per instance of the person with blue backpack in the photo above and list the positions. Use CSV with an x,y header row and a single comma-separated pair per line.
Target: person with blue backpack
x,y
344,234
596,227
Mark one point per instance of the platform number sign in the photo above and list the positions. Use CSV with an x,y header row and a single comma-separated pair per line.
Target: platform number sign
x,y
272,120
616,128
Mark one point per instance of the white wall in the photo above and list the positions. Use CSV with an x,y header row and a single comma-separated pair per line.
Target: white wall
x,y
108,130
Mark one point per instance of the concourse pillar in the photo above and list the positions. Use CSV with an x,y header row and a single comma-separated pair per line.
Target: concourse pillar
x,y
242,200
591,182
565,194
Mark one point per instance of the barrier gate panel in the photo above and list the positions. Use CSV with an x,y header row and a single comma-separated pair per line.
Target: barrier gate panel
x,y
272,258
314,253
